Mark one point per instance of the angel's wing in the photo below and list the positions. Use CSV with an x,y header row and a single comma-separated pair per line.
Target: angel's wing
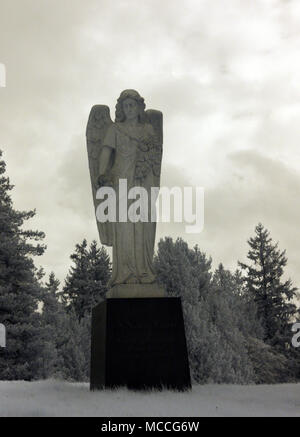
x,y
155,118
98,123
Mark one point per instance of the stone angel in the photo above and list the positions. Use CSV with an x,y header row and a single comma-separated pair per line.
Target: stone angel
x,y
128,149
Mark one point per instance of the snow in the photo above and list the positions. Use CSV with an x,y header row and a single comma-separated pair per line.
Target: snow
x,y
60,398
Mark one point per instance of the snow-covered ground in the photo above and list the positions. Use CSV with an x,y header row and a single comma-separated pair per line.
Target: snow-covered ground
x,y
55,398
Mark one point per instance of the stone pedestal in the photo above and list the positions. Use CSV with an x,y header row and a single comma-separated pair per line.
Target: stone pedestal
x,y
139,343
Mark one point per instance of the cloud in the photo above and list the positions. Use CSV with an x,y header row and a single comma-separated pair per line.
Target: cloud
x,y
255,189
226,80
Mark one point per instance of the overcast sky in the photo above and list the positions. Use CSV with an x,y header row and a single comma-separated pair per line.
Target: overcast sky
x,y
225,74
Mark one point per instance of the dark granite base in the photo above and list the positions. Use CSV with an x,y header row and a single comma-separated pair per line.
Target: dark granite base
x,y
139,343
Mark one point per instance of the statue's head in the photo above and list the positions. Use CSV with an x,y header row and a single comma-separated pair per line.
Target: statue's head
x,y
129,105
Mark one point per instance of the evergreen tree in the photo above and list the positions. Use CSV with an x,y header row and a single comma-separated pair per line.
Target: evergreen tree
x,y
243,310
272,295
74,351
85,286
66,339
230,314
55,321
217,350
86,283
270,366
51,305
237,309
20,289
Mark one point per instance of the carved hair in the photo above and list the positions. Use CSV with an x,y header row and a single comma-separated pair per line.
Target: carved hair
x,y
132,94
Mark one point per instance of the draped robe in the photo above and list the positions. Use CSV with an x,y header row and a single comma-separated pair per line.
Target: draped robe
x,y
135,156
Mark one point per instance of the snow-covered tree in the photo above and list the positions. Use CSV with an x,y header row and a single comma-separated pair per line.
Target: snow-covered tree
x,y
216,347
74,351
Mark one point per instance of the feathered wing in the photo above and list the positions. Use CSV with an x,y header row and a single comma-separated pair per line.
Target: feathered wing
x,y
98,123
155,118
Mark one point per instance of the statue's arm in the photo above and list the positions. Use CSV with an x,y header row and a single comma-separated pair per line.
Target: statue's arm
x,y
104,160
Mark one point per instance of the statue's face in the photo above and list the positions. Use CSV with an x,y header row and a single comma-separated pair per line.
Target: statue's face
x,y
130,108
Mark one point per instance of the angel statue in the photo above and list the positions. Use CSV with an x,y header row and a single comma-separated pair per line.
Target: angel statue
x,y
129,149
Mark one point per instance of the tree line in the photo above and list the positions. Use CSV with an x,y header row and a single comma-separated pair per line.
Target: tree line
x,y
238,324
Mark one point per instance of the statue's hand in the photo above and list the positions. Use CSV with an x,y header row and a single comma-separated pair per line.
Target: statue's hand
x,y
104,181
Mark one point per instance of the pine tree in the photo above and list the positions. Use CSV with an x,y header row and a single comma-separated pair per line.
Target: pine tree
x,y
50,300
86,283
54,320
243,310
75,288
74,351
272,295
216,348
66,339
20,289
269,365
230,314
